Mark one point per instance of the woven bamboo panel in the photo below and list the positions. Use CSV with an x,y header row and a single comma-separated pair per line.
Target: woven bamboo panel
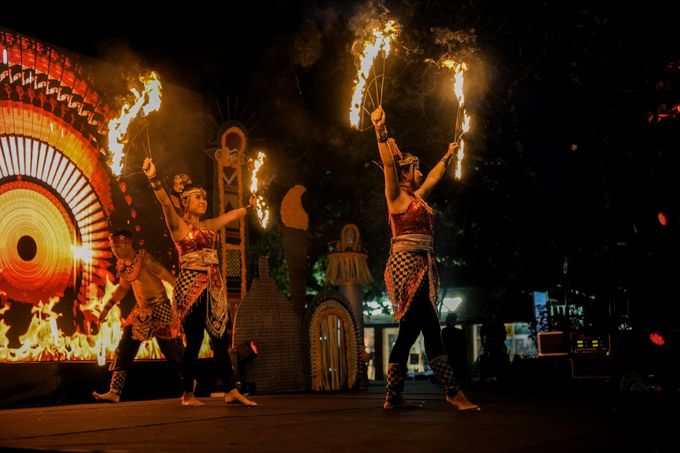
x,y
267,318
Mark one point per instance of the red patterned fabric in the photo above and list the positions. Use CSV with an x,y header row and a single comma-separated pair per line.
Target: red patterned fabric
x,y
154,320
199,271
405,270
198,238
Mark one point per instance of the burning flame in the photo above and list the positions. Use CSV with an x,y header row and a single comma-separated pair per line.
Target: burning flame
x,y
381,42
462,123
465,126
44,341
261,206
147,101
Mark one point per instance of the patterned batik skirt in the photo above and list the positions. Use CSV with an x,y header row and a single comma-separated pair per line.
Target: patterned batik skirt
x,y
155,319
190,285
404,274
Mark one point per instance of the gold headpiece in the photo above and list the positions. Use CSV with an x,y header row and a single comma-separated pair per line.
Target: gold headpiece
x,y
193,191
408,160
181,180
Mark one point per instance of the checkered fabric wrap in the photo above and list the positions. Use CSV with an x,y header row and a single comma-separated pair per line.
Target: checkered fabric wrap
x,y
189,286
396,373
444,371
403,275
118,381
156,320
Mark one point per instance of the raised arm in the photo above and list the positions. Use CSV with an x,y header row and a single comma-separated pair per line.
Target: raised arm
x,y
220,221
390,169
397,199
177,226
435,175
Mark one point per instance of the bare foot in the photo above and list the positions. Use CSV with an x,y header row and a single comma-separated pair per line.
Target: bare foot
x,y
110,397
461,402
188,399
400,403
235,397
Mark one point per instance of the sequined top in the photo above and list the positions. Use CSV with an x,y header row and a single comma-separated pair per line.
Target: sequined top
x,y
198,238
417,218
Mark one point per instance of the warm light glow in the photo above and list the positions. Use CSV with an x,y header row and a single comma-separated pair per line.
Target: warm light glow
x,y
147,101
662,219
381,41
460,155
462,122
261,208
55,201
82,253
43,340
657,339
452,303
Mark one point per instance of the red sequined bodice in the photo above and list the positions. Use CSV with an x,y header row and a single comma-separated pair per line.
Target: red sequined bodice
x,y
198,238
417,218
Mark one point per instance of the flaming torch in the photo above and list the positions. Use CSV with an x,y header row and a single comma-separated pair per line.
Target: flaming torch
x,y
380,42
261,207
149,100
462,123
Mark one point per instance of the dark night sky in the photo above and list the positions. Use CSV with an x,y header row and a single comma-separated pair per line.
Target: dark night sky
x,y
564,162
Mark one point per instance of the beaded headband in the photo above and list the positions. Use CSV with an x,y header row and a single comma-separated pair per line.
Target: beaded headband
x,y
408,160
192,191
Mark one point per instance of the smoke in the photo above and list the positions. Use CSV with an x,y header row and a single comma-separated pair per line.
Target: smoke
x,y
307,45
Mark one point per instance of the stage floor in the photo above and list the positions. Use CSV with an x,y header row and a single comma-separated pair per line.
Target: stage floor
x,y
567,420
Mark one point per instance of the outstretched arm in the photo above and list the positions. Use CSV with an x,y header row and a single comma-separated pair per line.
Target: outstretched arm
x,y
228,217
435,175
177,226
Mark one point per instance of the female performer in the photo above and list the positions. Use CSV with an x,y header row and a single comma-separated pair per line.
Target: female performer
x,y
411,274
200,296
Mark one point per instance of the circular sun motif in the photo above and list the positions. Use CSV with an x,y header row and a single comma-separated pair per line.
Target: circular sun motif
x,y
36,255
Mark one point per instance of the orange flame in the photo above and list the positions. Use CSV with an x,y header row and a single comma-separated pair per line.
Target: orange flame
x,y
147,101
462,123
381,42
44,341
261,207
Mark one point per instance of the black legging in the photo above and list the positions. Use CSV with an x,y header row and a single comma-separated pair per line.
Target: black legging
x,y
420,316
194,329
128,348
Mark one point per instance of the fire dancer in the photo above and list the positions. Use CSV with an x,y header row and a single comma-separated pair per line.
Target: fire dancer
x,y
200,298
411,275
150,317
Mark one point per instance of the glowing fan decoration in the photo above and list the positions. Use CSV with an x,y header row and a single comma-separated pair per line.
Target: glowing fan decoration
x,y
31,213
56,195
35,256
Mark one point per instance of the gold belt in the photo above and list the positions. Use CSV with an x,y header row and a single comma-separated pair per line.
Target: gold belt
x,y
413,243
